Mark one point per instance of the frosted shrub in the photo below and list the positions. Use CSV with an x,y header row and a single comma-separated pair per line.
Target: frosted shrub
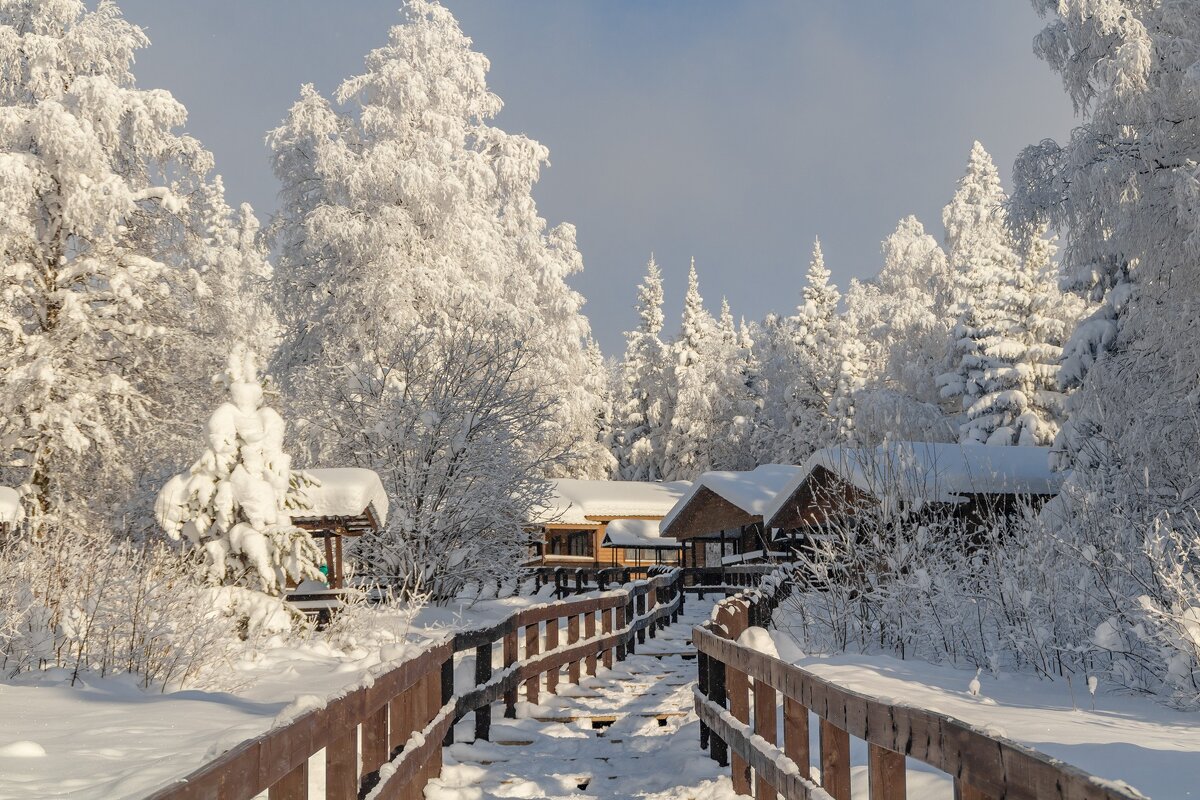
x,y
453,419
79,602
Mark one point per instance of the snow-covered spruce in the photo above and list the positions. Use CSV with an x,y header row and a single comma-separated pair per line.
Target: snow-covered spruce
x,y
234,504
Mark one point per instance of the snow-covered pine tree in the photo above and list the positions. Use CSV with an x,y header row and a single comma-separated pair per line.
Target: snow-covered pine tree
x,y
993,377
234,505
687,452
645,410
405,199
815,355
734,407
123,268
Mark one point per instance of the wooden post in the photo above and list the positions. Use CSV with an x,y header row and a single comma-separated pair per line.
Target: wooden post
x,y
619,612
639,612
606,627
293,786
375,740
330,576
764,726
716,692
702,660
483,674
589,631
835,760
447,687
532,648
965,791
551,644
573,638
795,735
510,658
737,685
341,763
886,771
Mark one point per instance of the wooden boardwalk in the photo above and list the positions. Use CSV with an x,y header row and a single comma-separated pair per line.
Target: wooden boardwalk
x,y
629,732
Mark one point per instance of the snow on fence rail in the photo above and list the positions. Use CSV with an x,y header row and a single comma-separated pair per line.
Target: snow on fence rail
x,y
398,725
742,716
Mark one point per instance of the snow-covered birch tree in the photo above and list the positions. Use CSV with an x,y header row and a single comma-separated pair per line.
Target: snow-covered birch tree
x,y
123,268
402,200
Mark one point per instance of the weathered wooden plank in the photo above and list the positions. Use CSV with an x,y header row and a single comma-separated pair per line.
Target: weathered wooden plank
x,y
589,632
533,637
886,774
765,724
572,638
737,688
835,760
510,658
795,734
551,644
375,749
293,786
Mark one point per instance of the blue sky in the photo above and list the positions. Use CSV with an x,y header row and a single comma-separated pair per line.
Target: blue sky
x,y
734,132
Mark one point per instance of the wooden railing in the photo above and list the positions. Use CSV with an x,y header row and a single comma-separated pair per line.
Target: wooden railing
x,y
698,580
395,727
738,704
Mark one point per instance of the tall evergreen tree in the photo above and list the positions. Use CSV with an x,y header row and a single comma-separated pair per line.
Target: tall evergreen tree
x,y
686,453
645,412
815,358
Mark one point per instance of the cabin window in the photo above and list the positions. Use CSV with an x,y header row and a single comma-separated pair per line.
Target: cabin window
x,y
572,543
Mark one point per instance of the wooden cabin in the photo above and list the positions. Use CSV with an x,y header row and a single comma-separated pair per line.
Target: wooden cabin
x,y
638,543
720,520
341,504
974,483
570,530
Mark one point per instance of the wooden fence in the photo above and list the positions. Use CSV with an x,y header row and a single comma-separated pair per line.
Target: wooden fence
x,y
385,740
738,704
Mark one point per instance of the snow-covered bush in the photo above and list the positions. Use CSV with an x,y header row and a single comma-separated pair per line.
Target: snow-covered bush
x,y
234,504
74,601
451,415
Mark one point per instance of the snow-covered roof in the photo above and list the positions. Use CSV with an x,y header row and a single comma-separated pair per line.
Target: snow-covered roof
x,y
636,533
345,492
929,472
11,510
750,491
584,502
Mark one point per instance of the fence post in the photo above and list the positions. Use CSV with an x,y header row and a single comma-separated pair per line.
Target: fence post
x,y
795,735
341,760
375,740
551,644
886,773
573,638
293,786
639,605
589,631
619,612
764,726
533,642
483,674
737,685
510,658
606,627
702,684
448,693
716,692
835,760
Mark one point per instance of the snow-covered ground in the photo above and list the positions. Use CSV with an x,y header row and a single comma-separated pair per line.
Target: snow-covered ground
x,y
1133,740
107,738
628,733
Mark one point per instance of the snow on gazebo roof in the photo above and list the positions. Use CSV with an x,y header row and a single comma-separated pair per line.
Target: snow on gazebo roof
x,y
11,510
344,492
642,533
584,502
743,497
928,472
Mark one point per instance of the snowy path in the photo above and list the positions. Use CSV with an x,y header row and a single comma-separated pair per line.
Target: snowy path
x,y
630,732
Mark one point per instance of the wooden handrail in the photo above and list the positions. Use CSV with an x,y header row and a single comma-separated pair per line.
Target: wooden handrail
x,y
397,724
982,766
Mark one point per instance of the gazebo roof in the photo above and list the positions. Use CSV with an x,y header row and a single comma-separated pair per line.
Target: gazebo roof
x,y
640,533
351,498
722,500
922,472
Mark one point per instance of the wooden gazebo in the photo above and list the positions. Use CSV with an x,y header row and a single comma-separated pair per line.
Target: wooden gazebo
x,y
341,503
